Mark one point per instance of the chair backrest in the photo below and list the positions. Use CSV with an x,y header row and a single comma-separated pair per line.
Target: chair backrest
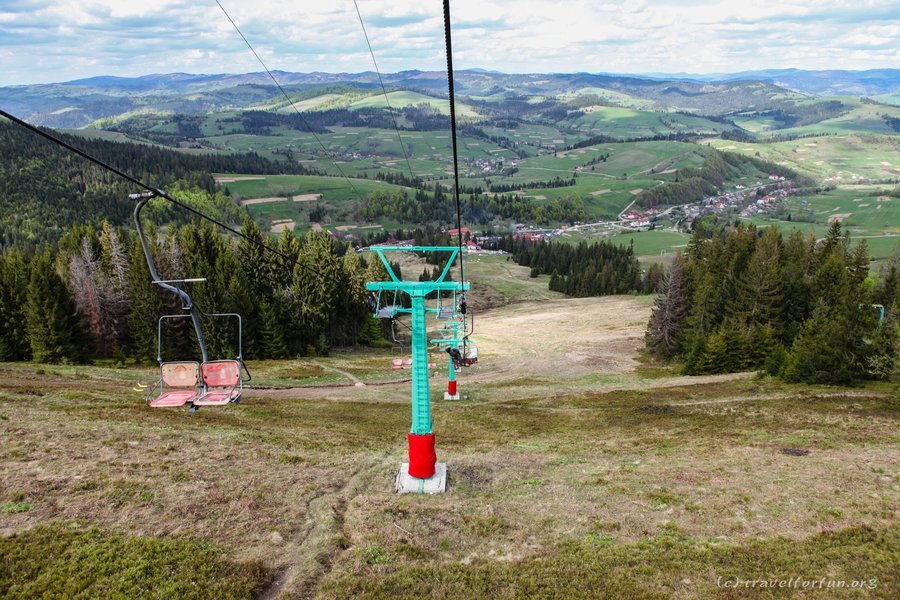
x,y
398,363
407,362
221,373
180,374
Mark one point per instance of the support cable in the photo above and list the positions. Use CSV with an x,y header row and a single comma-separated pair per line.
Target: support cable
x,y
384,91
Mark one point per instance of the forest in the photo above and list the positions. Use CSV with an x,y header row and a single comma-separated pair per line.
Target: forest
x,y
475,208
741,298
91,297
582,270
692,185
44,189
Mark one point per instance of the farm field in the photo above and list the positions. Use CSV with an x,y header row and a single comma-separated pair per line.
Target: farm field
x,y
630,123
866,212
834,159
857,147
861,118
567,454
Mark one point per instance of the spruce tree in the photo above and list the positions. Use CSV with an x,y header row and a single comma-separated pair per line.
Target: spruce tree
x,y
146,305
51,319
14,277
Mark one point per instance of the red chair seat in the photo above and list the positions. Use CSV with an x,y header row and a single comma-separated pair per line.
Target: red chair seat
x,y
173,398
217,397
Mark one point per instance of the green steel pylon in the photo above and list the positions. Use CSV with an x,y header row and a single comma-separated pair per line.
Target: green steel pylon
x,y
418,291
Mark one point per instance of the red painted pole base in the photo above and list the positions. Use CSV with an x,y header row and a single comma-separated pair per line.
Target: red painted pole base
x,y
421,455
451,388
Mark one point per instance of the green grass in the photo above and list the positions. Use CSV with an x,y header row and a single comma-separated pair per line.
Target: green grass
x,y
629,123
873,216
618,98
893,99
860,118
833,159
662,566
653,243
642,487
624,159
66,561
402,98
502,281
870,211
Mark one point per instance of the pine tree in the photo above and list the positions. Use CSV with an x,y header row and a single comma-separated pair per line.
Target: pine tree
x,y
821,352
51,319
14,277
146,305
818,354
715,357
274,344
760,290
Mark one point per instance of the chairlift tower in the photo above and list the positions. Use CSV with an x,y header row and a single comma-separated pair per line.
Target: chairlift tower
x,y
422,474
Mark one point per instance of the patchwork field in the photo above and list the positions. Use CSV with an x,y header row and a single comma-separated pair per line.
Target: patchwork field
x,y
832,159
865,211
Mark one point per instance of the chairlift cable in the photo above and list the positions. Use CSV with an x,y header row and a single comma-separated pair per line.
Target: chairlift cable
x,y
288,98
462,276
384,91
153,191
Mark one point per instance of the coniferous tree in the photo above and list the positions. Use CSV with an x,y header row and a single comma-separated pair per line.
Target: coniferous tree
x,y
666,322
146,305
51,319
760,289
14,277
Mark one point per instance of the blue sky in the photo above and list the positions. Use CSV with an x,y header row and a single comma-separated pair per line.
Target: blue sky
x,y
59,40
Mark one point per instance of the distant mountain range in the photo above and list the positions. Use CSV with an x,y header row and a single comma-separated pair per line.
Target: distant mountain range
x,y
817,83
83,102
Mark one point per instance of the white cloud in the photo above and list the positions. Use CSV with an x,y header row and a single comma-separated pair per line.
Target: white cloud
x,y
54,40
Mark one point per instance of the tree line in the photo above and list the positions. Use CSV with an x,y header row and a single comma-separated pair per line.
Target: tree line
x,y
580,270
808,310
421,117
692,185
438,207
91,296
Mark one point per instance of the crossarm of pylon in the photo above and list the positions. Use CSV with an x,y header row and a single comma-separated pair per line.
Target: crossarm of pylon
x,y
409,286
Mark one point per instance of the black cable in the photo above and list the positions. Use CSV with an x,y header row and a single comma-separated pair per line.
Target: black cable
x,y
462,276
462,272
384,91
154,191
288,98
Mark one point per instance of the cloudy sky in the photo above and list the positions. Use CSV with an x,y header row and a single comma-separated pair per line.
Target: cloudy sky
x,y
60,40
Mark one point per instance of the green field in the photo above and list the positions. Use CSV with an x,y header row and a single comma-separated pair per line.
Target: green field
x,y
398,99
833,159
860,118
864,211
629,123
611,96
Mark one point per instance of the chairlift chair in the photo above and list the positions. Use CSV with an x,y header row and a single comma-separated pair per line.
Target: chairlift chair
x,y
182,380
207,383
223,382
211,382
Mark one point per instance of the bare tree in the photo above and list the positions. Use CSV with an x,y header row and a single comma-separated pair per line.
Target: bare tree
x,y
669,311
